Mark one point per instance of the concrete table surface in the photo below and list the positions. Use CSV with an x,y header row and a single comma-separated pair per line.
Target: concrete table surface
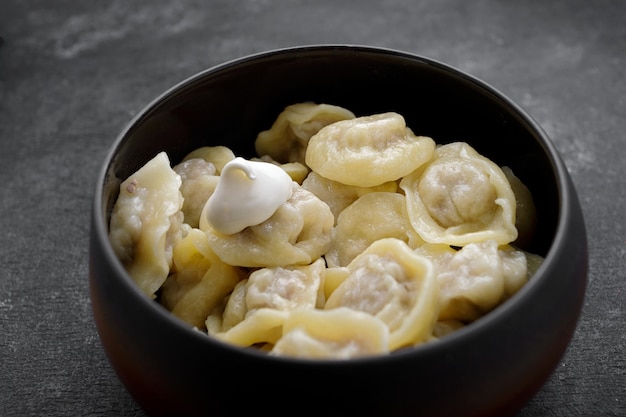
x,y
73,74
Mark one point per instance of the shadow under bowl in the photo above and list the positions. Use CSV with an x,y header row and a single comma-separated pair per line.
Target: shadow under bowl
x,y
490,368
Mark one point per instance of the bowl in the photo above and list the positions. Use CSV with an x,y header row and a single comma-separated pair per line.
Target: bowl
x,y
489,368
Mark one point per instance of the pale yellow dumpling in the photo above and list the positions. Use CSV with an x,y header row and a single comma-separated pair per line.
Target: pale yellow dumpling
x,y
533,262
391,282
335,275
200,280
371,217
216,155
525,212
231,311
298,232
264,325
476,278
296,170
341,333
146,222
200,170
287,139
267,298
460,197
286,288
199,179
446,327
367,151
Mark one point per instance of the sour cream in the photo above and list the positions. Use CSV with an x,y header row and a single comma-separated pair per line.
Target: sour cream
x,y
247,194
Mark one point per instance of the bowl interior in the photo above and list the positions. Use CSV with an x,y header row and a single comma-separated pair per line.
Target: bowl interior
x,y
230,104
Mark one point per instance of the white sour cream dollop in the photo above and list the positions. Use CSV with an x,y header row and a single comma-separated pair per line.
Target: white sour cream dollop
x,y
247,194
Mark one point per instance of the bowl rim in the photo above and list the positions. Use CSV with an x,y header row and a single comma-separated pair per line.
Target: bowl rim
x,y
99,226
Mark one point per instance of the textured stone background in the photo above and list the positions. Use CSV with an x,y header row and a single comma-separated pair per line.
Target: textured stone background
x,y
73,73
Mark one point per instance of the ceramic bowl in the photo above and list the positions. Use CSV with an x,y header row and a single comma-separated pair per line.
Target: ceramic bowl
x,y
490,368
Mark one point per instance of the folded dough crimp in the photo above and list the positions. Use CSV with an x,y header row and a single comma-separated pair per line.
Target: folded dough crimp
x,y
460,197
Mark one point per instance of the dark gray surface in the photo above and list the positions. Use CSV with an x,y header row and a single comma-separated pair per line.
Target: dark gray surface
x,y
73,73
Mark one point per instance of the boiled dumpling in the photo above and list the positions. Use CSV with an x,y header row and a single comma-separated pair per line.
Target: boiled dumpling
x,y
368,150
391,282
200,170
218,156
279,288
476,278
199,282
199,180
287,139
298,232
533,261
335,275
267,298
341,333
264,325
446,327
231,311
460,197
297,171
371,217
146,222
286,288
526,212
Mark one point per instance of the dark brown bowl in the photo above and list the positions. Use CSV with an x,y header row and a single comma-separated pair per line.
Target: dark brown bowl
x,y
490,368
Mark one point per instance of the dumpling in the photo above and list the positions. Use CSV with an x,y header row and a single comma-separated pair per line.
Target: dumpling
x,y
341,333
335,275
200,280
286,288
371,217
264,325
146,223
267,298
533,261
216,155
338,196
394,284
460,197
231,311
525,213
199,180
296,170
475,279
368,150
446,327
287,139
298,232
